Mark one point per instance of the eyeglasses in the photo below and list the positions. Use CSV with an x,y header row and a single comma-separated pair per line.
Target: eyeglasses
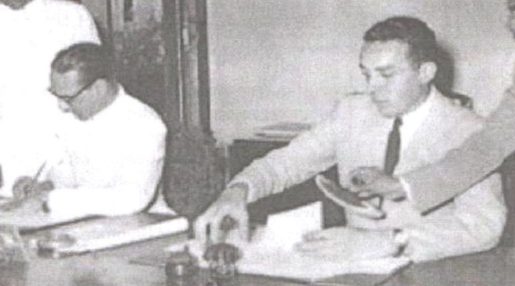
x,y
72,97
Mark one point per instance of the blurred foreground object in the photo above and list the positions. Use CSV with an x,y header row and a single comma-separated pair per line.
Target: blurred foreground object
x,y
222,258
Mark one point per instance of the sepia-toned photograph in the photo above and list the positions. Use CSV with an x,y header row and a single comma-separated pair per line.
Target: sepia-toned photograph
x,y
257,142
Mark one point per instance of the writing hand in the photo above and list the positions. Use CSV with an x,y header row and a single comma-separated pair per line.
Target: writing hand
x,y
26,186
28,196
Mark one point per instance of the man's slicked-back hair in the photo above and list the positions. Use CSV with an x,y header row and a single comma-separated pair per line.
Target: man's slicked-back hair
x,y
91,60
420,38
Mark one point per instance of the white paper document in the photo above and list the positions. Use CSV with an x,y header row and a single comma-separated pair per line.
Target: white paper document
x,y
271,251
110,232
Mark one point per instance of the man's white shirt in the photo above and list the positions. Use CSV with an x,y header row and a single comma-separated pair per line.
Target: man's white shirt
x,y
411,121
110,164
29,114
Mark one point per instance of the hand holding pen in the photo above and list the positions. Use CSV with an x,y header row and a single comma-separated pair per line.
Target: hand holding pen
x,y
29,192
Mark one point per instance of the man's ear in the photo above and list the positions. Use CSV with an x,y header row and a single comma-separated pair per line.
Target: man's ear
x,y
427,71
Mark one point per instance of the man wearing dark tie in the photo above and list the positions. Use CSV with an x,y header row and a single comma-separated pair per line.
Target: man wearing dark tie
x,y
478,156
401,123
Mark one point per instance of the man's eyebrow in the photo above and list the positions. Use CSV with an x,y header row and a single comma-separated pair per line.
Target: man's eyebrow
x,y
381,69
385,68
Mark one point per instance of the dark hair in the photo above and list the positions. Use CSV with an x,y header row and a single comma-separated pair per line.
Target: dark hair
x,y
414,32
92,61
511,5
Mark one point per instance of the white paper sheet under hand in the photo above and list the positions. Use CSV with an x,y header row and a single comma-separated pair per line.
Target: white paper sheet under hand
x,y
271,250
285,229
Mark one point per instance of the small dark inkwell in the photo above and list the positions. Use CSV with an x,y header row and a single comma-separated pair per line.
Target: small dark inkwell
x,y
181,268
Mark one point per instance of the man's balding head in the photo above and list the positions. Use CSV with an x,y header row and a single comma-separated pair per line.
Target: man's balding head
x,y
90,60
82,79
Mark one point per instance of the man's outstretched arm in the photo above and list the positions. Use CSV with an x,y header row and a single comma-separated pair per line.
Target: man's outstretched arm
x,y
461,168
478,156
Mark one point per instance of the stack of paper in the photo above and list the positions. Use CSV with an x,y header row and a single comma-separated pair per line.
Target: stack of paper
x,y
110,232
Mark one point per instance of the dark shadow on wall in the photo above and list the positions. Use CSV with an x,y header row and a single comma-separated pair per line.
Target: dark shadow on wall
x,y
444,79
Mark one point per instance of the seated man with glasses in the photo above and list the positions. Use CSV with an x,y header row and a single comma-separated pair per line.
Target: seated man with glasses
x,y
109,160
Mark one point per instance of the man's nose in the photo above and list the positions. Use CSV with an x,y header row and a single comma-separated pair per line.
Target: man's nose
x,y
374,84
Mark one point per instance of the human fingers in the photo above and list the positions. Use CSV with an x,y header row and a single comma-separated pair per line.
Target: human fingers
x,y
239,223
314,235
370,209
314,245
202,226
392,193
22,186
207,224
243,227
364,175
309,236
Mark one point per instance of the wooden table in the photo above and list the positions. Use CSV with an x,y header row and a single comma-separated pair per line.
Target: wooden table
x,y
495,267
116,267
107,268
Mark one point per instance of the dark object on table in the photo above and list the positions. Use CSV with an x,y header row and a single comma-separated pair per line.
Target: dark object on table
x,y
181,268
48,245
222,258
193,175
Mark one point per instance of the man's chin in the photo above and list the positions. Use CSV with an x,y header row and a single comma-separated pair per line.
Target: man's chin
x,y
388,113
16,6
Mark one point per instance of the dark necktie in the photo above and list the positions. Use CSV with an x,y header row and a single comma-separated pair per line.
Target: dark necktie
x,y
393,148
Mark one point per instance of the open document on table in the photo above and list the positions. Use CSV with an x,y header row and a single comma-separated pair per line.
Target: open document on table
x,y
271,252
102,233
92,234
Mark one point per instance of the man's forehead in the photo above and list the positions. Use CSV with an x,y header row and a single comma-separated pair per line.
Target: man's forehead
x,y
71,74
383,54
64,80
